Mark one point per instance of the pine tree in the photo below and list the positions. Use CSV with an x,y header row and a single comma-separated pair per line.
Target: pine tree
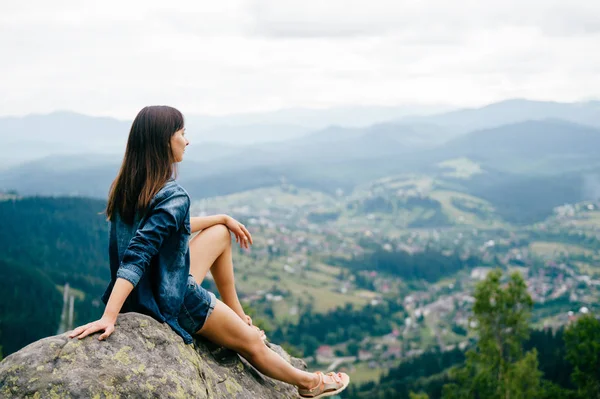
x,y
582,340
498,368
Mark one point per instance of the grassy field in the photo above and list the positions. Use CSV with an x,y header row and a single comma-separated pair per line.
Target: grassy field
x,y
269,197
362,373
324,298
588,269
592,219
317,285
419,185
460,216
551,249
72,291
462,168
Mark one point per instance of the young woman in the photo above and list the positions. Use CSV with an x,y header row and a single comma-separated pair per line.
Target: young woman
x,y
155,268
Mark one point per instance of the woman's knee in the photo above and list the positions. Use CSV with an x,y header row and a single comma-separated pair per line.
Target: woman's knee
x,y
220,232
254,347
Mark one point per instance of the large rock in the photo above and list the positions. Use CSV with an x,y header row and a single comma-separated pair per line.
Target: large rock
x,y
141,359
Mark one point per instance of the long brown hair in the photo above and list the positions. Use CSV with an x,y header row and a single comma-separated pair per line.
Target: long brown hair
x,y
148,162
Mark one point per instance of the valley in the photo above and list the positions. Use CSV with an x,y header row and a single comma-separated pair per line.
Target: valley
x,y
368,241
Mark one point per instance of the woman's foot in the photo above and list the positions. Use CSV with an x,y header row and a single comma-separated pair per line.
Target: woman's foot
x,y
327,385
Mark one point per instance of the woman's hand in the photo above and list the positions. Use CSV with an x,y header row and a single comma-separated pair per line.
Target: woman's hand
x,y
105,324
242,235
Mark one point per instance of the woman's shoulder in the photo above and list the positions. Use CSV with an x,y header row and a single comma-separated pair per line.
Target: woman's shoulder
x,y
171,189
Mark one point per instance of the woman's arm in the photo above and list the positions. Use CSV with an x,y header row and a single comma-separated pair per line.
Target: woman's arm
x,y
242,235
166,217
119,293
198,223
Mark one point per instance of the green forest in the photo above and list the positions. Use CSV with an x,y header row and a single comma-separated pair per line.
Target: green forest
x,y
338,325
48,242
428,265
51,241
509,360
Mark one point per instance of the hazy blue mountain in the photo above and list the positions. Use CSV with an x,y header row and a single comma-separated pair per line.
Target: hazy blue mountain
x,y
532,147
61,134
36,136
420,135
333,159
523,199
355,116
244,134
210,151
337,144
43,177
375,141
289,124
76,175
61,163
512,111
327,157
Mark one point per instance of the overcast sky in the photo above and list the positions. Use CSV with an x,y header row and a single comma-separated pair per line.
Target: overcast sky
x,y
219,57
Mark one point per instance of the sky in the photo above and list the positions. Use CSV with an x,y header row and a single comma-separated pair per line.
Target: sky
x,y
221,57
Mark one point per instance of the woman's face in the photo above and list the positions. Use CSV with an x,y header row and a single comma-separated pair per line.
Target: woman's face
x,y
178,144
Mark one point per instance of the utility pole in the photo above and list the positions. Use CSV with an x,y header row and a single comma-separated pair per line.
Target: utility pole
x,y
71,307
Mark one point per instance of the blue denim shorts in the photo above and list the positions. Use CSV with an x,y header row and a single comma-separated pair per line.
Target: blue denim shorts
x,y
198,304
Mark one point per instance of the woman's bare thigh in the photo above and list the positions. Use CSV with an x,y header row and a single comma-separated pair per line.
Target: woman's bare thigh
x,y
205,248
226,328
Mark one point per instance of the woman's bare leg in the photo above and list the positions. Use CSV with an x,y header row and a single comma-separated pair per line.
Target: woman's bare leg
x,y
211,250
225,328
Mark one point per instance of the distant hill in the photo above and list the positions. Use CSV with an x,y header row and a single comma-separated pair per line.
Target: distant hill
x,y
411,134
76,175
216,169
68,133
244,135
522,199
512,111
509,154
333,149
538,147
342,157
36,136
315,119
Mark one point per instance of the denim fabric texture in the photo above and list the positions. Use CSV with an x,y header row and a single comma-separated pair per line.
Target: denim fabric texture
x,y
198,304
153,255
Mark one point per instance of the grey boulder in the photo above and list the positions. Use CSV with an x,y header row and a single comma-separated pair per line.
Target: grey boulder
x,y
141,359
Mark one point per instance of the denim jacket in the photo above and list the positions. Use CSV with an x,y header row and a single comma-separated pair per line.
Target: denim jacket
x,y
153,255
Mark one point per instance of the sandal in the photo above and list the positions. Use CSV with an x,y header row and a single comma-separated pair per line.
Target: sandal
x,y
336,384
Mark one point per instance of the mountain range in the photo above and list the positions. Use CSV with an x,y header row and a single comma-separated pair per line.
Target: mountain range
x,y
512,142
34,136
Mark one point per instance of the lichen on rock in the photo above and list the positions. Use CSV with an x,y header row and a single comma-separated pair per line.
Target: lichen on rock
x,y
141,359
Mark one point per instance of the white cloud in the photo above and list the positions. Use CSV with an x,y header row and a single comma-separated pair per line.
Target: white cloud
x,y
358,17
113,57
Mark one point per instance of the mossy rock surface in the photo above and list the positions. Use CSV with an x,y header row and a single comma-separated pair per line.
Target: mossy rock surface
x,y
141,359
